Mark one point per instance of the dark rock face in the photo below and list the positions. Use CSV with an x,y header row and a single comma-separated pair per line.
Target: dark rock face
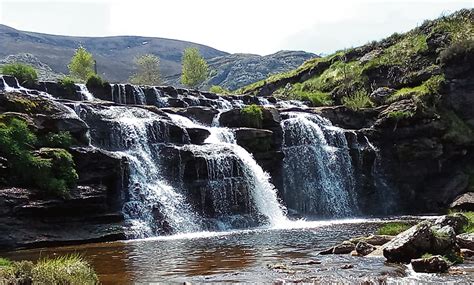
x,y
203,115
434,264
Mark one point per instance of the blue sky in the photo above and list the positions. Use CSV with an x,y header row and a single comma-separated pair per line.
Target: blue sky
x,y
247,26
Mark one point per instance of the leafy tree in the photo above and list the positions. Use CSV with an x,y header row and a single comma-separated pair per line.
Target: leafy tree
x,y
148,70
195,69
82,64
23,72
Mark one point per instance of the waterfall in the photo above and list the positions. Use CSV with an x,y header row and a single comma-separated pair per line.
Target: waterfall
x,y
153,206
139,95
318,176
86,95
221,153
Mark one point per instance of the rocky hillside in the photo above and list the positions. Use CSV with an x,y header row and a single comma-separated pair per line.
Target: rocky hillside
x,y
234,71
50,54
413,96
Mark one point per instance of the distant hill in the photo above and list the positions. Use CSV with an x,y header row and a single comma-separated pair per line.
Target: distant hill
x,y
237,70
114,55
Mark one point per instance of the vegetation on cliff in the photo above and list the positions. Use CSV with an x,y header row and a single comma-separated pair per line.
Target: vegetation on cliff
x,y
23,72
68,269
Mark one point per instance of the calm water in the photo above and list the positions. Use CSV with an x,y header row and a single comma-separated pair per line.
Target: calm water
x,y
265,255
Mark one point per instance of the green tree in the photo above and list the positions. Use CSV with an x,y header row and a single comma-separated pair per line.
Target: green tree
x,y
82,64
194,67
148,70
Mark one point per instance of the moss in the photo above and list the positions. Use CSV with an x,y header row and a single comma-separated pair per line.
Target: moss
x,y
61,139
393,228
432,86
457,130
252,116
357,101
69,269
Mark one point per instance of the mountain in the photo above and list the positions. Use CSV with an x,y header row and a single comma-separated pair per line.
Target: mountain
x,y
114,55
237,70
52,53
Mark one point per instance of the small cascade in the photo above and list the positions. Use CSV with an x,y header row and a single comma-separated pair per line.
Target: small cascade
x,y
161,101
86,95
226,162
153,206
318,177
138,95
264,101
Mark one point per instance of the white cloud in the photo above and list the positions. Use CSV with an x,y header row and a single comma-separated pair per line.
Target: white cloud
x,y
251,26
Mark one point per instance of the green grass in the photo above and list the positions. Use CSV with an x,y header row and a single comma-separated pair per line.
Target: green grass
x,y
68,269
357,101
393,228
431,86
219,90
5,262
459,26
400,115
252,116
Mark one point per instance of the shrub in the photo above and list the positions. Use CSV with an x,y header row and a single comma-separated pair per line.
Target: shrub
x,y
61,139
219,90
458,52
68,84
357,101
95,81
51,170
393,228
252,116
25,74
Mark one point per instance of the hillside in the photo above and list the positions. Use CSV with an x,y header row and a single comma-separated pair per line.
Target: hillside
x,y
237,70
50,54
113,54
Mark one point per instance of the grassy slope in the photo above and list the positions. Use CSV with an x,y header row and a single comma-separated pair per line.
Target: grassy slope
x,y
327,80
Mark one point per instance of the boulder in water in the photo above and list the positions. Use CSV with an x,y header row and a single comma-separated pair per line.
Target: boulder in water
x,y
363,248
466,240
203,115
197,135
409,244
373,239
433,264
343,248
457,221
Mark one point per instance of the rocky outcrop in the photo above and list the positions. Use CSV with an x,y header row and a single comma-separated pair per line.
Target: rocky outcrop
x,y
433,264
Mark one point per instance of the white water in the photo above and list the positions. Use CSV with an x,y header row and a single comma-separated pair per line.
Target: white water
x,y
317,174
151,199
219,152
85,92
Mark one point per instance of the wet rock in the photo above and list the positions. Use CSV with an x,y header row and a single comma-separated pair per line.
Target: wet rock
x,y
457,221
434,264
197,135
343,248
409,244
467,253
306,262
203,115
464,202
363,248
254,140
373,239
443,239
466,240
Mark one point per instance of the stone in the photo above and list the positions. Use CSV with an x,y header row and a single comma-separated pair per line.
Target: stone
x,y
204,115
380,94
467,253
433,264
373,239
254,140
464,202
344,248
465,240
409,244
363,248
457,221
443,239
197,135
347,266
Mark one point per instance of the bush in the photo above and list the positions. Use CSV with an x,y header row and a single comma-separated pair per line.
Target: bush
x,y
25,74
58,140
51,170
69,269
460,52
252,116
219,90
393,228
95,81
68,84
357,101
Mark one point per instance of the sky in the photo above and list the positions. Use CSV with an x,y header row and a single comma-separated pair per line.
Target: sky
x,y
236,26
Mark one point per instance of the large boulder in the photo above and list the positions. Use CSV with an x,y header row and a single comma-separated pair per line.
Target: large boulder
x,y
197,135
457,221
464,202
433,264
409,244
466,240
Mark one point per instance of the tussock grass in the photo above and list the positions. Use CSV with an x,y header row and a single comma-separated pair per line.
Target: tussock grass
x,y
393,228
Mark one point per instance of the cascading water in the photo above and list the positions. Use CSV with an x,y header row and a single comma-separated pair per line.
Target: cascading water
x,y
318,177
86,95
225,161
153,206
